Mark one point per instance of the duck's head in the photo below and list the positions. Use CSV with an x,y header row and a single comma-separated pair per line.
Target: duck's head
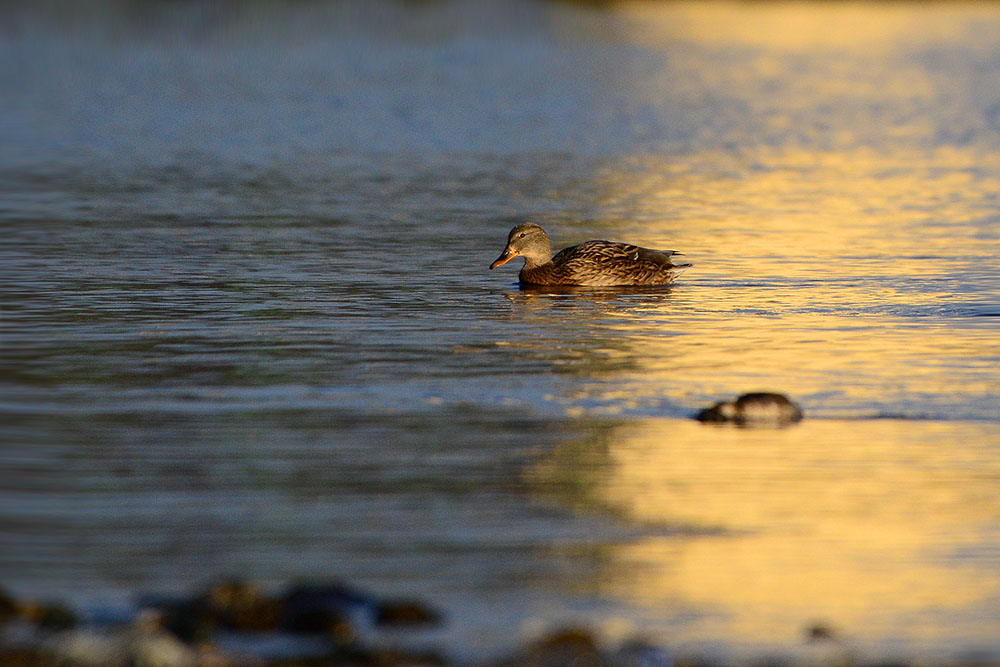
x,y
527,240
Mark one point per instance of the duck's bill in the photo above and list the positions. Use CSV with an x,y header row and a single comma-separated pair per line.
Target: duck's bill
x,y
504,258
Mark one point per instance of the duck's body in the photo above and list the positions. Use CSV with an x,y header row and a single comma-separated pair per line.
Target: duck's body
x,y
594,263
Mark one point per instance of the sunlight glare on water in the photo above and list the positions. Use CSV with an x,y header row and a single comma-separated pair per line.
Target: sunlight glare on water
x,y
832,521
813,263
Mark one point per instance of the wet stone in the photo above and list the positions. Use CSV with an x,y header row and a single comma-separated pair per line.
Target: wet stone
x,y
237,605
818,632
49,616
187,619
405,612
231,604
322,609
332,624
28,657
756,409
8,607
571,646
326,596
365,658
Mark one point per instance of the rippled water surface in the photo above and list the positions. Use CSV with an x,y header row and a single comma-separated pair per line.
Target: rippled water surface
x,y
248,325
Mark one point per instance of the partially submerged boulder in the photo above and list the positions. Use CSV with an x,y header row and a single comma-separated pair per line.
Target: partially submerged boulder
x,y
754,409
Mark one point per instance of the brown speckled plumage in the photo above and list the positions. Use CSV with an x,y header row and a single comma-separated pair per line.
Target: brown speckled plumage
x,y
594,263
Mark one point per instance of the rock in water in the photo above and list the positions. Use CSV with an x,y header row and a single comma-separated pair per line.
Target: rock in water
x,y
755,409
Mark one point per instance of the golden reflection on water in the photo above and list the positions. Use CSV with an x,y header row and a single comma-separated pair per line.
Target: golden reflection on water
x,y
861,525
846,279
838,210
845,252
787,26
681,350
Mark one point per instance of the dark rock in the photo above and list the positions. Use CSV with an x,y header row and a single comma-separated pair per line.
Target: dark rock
x,y
328,595
236,605
322,609
719,413
187,619
400,658
570,646
818,632
357,657
405,612
8,607
49,616
754,409
322,622
231,604
28,657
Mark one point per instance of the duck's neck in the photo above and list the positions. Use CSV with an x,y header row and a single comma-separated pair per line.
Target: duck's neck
x,y
540,255
535,261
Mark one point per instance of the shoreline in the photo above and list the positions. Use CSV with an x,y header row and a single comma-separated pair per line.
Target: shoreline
x,y
232,623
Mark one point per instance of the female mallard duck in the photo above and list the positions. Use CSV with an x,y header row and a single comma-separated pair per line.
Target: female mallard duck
x,y
594,263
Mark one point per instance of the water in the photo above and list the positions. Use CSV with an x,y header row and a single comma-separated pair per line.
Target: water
x,y
248,326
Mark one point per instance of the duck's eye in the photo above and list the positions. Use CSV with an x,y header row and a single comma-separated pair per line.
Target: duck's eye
x,y
521,235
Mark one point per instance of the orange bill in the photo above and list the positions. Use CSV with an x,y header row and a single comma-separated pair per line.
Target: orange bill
x,y
507,255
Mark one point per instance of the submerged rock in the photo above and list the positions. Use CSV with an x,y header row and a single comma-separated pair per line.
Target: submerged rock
x,y
322,609
819,631
24,656
327,608
184,618
405,612
236,605
49,615
754,409
360,657
8,607
568,646
230,604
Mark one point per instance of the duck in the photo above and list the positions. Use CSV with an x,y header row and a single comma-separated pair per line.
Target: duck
x,y
592,263
759,408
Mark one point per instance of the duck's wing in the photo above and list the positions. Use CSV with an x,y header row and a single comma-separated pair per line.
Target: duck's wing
x,y
608,252
606,262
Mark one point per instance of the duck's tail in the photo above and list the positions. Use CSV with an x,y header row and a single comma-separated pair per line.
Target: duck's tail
x,y
673,253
